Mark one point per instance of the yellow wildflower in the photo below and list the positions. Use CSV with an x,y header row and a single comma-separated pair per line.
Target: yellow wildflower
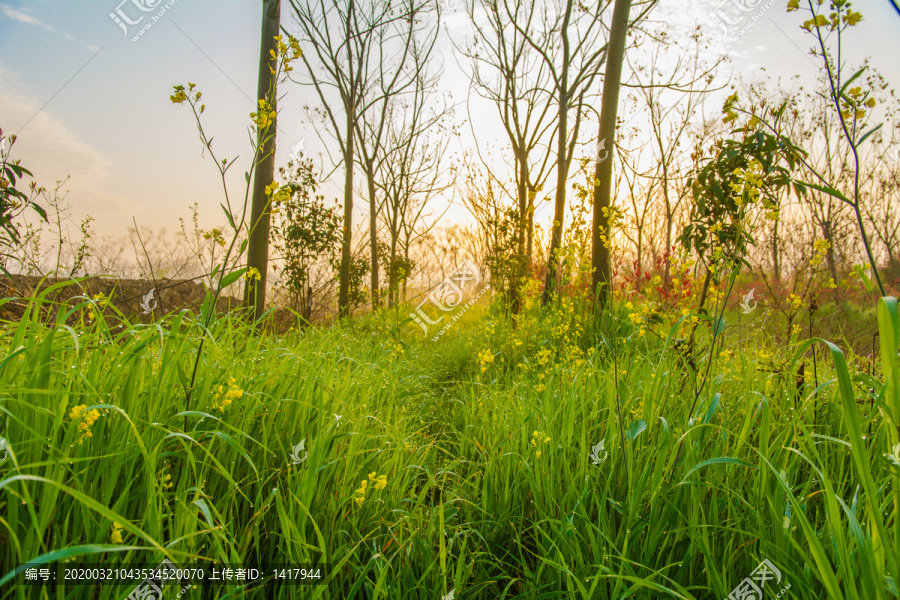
x,y
116,536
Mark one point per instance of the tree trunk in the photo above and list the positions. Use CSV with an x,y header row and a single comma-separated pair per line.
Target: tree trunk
x,y
392,275
373,241
522,232
776,263
264,170
600,251
344,289
559,208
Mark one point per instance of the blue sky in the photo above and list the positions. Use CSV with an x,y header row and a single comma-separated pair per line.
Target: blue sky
x,y
88,102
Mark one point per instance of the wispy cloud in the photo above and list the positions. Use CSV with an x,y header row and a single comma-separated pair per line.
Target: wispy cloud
x,y
21,17
52,151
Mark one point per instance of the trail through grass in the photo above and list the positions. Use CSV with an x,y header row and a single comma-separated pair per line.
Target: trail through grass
x,y
469,466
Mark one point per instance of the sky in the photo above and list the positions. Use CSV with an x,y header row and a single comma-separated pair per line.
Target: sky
x,y
89,103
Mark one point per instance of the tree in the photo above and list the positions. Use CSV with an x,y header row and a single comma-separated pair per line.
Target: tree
x,y
344,36
600,230
394,80
264,162
410,173
515,81
673,103
13,201
305,232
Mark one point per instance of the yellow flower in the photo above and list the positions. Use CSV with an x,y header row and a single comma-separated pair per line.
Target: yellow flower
x,y
224,398
252,273
538,454
116,536
85,420
381,482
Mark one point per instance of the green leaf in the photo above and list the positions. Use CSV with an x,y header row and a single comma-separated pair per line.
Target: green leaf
x,y
228,216
204,508
718,326
231,278
635,429
866,135
856,76
721,459
889,338
825,189
230,441
860,270
713,407
37,208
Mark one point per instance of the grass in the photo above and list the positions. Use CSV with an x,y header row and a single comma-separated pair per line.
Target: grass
x,y
490,490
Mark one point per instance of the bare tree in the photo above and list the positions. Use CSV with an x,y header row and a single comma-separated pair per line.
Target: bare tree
x,y
344,36
506,70
401,58
411,173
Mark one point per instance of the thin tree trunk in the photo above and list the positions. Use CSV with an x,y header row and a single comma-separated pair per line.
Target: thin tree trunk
x,y
521,232
392,277
559,207
776,264
264,170
373,241
344,290
600,251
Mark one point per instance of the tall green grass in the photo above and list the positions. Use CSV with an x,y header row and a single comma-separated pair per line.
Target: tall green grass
x,y
491,491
